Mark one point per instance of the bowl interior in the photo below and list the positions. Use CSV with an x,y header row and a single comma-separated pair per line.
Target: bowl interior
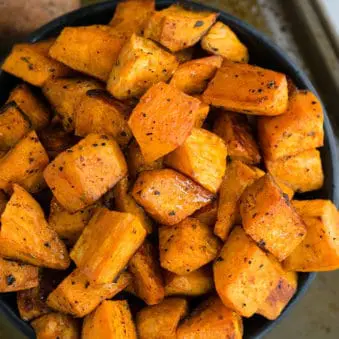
x,y
263,53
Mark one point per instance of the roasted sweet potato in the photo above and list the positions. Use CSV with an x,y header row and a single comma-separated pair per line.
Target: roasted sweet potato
x,y
202,157
208,214
78,296
25,234
107,244
99,112
210,320
192,77
221,40
243,274
92,50
248,89
162,120
298,130
234,129
168,196
140,65
201,113
16,276
64,94
56,325
31,63
177,28
148,282
196,283
3,202
187,246
161,321
79,176
184,54
111,320
269,218
319,251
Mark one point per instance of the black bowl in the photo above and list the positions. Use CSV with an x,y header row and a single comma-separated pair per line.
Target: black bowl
x,y
263,53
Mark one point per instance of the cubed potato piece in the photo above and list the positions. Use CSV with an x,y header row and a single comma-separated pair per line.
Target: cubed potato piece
x,y
79,176
168,196
78,296
148,282
67,225
162,120
184,54
211,319
15,276
178,28
208,214
243,274
221,40
280,294
202,157
319,251
238,176
31,63
201,114
111,320
25,230
136,161
99,112
107,244
14,124
29,103
248,89
192,76
64,94
269,218
302,172
187,246
234,129
298,130
56,325
196,283
161,321
92,50
131,16
140,65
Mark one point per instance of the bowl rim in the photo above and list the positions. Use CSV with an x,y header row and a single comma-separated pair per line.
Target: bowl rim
x,y
71,17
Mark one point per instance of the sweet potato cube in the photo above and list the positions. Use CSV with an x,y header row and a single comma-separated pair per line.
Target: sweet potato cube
x,y
161,321
269,218
25,230
168,196
248,89
162,120
56,325
298,130
221,40
234,129
191,77
243,274
34,109
79,176
107,244
31,63
99,112
64,94
178,28
211,319
78,296
202,157
148,283
111,320
196,283
201,113
319,251
208,214
16,276
187,246
140,65
92,50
